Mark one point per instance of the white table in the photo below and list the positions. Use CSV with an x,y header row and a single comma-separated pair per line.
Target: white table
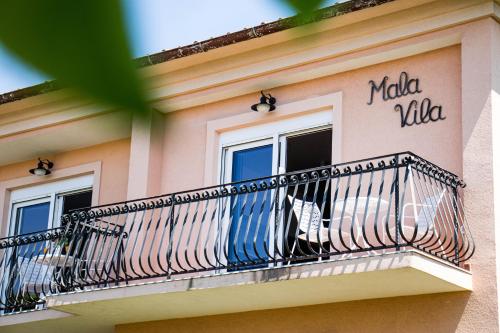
x,y
362,205
350,203
40,270
57,260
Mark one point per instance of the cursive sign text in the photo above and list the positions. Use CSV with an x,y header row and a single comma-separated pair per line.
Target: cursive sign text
x,y
405,86
416,115
416,112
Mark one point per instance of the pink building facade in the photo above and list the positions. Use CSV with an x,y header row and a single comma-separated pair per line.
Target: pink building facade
x,y
329,223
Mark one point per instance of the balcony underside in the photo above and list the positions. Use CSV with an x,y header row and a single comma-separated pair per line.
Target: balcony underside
x,y
387,275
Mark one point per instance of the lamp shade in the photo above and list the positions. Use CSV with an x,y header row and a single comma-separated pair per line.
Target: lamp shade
x,y
42,168
266,103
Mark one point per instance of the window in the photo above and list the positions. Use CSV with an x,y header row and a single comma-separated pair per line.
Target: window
x,y
40,207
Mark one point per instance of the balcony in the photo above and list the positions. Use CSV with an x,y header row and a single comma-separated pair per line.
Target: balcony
x,y
388,226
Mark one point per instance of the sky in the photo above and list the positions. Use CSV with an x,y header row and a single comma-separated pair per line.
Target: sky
x,y
156,25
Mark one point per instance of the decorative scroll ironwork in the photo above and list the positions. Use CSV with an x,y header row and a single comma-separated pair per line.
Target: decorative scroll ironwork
x,y
390,203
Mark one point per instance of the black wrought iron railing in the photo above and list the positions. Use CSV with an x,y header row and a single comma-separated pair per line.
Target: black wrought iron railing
x,y
368,207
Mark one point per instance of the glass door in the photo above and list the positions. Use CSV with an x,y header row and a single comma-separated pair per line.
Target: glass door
x,y
244,228
31,216
250,214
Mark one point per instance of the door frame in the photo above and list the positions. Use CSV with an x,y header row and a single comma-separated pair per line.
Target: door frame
x,y
39,193
227,156
11,185
274,133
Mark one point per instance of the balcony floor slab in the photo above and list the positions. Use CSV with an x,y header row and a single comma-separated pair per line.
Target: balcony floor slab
x,y
380,276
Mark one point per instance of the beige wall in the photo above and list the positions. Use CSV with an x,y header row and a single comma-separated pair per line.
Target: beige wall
x,y
114,157
367,130
479,150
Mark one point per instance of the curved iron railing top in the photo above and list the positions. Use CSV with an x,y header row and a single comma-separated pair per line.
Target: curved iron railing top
x,y
32,237
263,183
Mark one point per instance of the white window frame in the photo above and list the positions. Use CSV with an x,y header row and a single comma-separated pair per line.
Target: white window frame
x,y
52,192
226,174
275,131
228,156
21,204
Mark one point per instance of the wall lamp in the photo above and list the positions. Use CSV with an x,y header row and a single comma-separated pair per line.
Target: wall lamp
x,y
266,103
43,168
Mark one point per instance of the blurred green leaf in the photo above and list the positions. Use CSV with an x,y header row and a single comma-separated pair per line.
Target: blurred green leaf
x,y
304,7
82,44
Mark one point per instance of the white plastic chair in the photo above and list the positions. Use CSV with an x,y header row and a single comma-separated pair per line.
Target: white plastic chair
x,y
35,277
310,221
308,224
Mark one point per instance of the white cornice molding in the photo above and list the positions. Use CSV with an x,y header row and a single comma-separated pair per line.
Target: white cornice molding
x,y
50,119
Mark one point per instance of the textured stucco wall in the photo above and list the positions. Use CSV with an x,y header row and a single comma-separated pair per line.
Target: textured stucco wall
x,y
367,130
114,157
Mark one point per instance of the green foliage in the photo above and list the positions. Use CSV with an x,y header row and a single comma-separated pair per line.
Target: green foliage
x,y
80,43
304,7
84,46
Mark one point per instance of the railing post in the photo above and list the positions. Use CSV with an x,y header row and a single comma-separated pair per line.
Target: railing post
x,y
170,240
397,219
272,243
455,223
119,259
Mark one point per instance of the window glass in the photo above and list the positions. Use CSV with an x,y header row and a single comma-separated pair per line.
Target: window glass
x,y
76,201
249,164
33,218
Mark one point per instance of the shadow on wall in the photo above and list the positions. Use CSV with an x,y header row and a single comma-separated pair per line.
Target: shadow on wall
x,y
413,314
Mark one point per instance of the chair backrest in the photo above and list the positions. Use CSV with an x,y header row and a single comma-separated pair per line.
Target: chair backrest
x,y
427,214
310,214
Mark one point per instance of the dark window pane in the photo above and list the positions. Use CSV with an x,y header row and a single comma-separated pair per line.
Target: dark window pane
x,y
77,201
309,150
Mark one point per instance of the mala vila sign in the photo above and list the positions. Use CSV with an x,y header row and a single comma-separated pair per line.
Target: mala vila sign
x,y
415,113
